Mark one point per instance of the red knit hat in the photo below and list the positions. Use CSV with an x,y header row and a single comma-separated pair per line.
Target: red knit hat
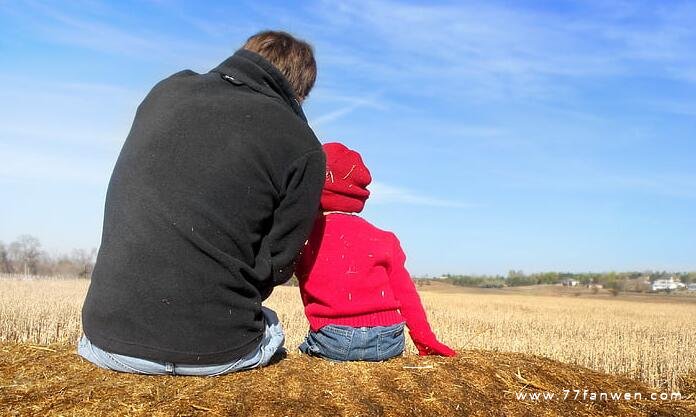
x,y
346,180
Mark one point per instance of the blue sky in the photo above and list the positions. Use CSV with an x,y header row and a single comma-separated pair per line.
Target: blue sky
x,y
501,135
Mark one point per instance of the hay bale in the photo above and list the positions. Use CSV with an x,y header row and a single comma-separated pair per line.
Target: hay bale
x,y
53,380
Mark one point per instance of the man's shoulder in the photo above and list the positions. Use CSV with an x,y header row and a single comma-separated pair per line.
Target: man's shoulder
x,y
175,88
187,73
176,79
234,108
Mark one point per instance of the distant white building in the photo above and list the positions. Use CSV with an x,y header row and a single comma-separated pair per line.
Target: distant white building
x,y
570,283
691,287
667,284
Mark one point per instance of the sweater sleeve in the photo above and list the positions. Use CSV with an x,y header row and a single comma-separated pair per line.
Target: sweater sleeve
x,y
411,307
293,218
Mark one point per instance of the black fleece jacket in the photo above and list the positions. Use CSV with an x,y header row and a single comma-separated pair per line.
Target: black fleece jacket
x,y
212,197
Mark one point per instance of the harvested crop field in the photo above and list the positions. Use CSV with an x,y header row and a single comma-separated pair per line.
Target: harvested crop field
x,y
509,345
55,381
652,342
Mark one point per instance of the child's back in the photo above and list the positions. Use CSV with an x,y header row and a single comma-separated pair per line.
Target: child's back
x,y
346,267
355,288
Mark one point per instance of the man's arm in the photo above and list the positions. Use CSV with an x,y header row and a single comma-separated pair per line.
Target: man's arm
x,y
293,218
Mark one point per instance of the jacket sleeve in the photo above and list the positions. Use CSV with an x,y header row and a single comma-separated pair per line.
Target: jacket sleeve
x,y
411,307
293,218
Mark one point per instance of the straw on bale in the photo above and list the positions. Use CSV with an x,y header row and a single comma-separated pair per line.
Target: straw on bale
x,y
53,380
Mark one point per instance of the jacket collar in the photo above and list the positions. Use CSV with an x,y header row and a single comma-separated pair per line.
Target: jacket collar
x,y
260,75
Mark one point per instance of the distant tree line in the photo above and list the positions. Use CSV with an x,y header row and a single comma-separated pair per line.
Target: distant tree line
x,y
25,256
621,281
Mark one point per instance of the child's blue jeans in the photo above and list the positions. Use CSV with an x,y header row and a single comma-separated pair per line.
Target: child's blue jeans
x,y
345,343
271,343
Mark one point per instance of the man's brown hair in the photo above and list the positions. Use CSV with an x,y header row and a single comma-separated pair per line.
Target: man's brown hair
x,y
293,57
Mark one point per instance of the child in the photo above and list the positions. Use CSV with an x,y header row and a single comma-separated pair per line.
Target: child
x,y
356,291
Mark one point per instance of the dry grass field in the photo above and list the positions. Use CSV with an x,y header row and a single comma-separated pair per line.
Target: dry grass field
x,y
646,345
653,342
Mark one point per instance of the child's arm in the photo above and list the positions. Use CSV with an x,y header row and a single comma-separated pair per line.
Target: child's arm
x,y
411,308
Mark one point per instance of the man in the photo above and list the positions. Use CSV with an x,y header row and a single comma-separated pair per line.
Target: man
x,y
213,195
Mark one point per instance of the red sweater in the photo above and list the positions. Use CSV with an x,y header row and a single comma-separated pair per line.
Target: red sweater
x,y
352,273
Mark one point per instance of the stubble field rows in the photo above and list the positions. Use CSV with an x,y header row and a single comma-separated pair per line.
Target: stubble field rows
x,y
651,342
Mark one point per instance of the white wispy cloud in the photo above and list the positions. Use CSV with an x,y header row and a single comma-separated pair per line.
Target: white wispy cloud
x,y
106,30
680,185
682,107
381,193
347,104
45,167
332,115
64,113
496,51
591,179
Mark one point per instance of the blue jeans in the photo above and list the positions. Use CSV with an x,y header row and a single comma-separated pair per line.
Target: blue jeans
x,y
271,344
345,343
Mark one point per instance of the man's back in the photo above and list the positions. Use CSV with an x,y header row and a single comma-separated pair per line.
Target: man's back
x,y
194,235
